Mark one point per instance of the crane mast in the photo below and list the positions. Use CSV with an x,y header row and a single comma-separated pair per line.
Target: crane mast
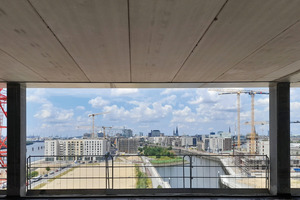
x,y
238,100
252,134
238,93
93,115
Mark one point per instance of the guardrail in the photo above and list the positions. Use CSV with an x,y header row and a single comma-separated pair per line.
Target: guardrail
x,y
113,172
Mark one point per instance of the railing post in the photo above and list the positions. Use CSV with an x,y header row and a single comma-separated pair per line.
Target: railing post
x,y
112,172
183,176
191,169
27,182
30,171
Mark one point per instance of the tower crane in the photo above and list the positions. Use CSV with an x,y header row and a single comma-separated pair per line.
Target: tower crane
x,y
238,94
104,127
258,123
93,115
252,136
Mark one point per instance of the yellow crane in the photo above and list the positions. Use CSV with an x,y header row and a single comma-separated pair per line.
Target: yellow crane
x,y
93,115
252,136
238,94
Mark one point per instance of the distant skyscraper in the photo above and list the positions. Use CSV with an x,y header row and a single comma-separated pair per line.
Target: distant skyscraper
x,y
177,134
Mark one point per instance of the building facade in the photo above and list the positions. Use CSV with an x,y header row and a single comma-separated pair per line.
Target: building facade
x,y
81,149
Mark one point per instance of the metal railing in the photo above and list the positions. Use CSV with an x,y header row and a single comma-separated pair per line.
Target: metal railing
x,y
115,172
3,172
295,171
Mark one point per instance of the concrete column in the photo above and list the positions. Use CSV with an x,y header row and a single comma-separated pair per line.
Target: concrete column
x,y
16,139
280,139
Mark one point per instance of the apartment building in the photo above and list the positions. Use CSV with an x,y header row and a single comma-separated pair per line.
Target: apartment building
x,y
79,148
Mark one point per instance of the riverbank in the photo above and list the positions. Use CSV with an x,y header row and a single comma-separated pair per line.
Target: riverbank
x,y
157,181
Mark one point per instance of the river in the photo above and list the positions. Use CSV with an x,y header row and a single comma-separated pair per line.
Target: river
x,y
201,171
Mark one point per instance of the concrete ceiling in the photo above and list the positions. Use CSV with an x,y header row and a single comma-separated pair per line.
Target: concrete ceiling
x,y
150,43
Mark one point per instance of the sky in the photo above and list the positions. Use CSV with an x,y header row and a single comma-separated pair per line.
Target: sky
x,y
64,112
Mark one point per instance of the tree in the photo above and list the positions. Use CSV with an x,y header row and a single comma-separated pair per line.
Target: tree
x,y
48,169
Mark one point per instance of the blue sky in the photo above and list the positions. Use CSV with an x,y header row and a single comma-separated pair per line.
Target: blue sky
x,y
52,112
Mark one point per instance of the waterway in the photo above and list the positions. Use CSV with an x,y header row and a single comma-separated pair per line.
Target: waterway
x,y
204,172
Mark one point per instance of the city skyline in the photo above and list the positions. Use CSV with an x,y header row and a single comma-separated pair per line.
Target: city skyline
x,y
52,112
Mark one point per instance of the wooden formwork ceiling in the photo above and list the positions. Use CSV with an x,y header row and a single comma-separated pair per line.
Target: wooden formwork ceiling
x,y
150,43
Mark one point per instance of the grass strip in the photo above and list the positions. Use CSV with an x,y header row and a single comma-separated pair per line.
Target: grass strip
x,y
143,181
170,160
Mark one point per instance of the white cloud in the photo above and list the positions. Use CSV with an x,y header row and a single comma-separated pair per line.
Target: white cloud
x,y
142,112
170,100
49,112
264,101
196,100
124,91
43,114
98,102
171,90
80,108
184,115
36,96
295,105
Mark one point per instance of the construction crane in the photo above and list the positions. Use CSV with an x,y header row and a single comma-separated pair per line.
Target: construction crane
x,y
252,136
238,94
3,153
104,127
258,123
93,115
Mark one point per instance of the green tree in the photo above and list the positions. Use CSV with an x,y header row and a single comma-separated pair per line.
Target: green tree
x,y
33,174
48,169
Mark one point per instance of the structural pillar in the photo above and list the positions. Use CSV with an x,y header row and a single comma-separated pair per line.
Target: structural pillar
x,y
280,139
16,139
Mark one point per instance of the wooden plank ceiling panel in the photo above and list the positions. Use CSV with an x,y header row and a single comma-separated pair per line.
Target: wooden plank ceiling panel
x,y
94,32
13,70
242,27
25,37
278,58
163,33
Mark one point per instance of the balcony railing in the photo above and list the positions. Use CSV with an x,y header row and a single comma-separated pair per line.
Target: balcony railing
x,y
115,172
